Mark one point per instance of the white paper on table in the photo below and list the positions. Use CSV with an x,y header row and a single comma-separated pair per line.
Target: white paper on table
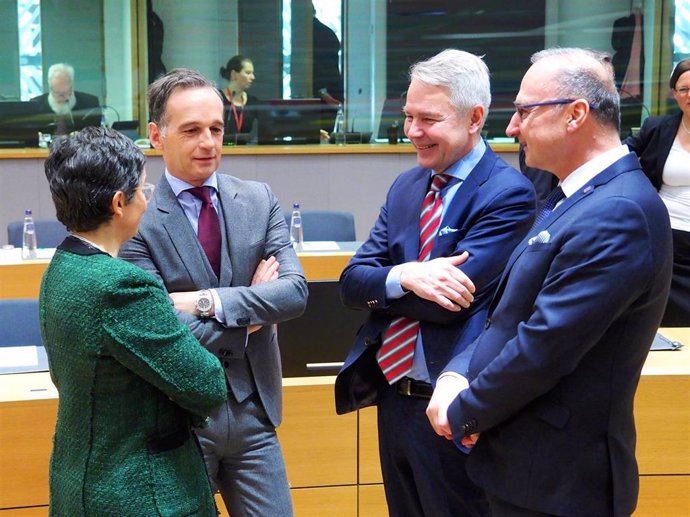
x,y
16,356
320,246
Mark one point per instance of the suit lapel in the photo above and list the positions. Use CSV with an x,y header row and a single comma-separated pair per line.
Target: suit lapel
x,y
229,220
625,164
417,192
469,186
668,136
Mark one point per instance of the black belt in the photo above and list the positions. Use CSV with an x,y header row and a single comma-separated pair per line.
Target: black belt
x,y
413,388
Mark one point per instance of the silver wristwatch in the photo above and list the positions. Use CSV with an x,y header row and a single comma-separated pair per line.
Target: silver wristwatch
x,y
204,303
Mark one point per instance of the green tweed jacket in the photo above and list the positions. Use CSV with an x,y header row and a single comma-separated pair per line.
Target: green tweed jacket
x,y
131,379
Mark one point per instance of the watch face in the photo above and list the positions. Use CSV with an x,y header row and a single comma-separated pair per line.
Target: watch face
x,y
203,303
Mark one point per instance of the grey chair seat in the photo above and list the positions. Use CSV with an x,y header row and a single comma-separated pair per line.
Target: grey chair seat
x,y
49,233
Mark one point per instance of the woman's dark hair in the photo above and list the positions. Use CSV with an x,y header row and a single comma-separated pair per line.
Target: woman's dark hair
x,y
235,64
682,67
85,170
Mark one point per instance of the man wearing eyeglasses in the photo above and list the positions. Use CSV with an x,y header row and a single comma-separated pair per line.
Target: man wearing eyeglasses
x,y
458,214
547,401
73,110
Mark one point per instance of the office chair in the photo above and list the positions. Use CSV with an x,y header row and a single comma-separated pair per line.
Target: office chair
x,y
19,323
49,233
326,225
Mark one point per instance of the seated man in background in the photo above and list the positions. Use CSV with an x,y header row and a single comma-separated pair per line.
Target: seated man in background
x,y
73,110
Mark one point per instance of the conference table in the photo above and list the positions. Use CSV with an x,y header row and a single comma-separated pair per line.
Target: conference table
x,y
332,460
322,261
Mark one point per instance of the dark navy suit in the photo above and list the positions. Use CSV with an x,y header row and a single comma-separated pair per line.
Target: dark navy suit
x,y
489,215
553,376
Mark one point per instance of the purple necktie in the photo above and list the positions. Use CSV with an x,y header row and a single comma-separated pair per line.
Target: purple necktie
x,y
209,227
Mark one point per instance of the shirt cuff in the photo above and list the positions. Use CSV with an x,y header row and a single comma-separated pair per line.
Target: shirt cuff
x,y
393,288
218,315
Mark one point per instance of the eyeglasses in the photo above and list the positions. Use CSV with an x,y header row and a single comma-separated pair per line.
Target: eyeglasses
x,y
147,189
682,91
525,109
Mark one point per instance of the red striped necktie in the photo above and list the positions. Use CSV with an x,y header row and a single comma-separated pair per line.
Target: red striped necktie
x,y
397,351
209,227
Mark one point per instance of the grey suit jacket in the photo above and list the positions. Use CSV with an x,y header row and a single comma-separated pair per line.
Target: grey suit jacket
x,y
253,228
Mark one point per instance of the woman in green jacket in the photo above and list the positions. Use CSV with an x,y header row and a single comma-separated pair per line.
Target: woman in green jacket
x,y
131,378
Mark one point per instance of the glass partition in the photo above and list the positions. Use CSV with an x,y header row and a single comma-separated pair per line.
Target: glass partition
x,y
117,47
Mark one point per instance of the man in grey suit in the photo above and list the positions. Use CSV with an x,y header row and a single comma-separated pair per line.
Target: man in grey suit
x,y
232,296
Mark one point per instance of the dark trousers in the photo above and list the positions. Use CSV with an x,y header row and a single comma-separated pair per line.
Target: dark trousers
x,y
423,473
501,508
677,312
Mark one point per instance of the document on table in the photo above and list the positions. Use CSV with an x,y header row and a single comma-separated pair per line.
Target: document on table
x,y
320,246
18,356
20,359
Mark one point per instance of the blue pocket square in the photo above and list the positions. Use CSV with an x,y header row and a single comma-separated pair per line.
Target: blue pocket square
x,y
446,230
542,237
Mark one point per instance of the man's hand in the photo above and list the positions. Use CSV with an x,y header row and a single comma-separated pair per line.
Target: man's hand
x,y
185,301
266,271
440,281
469,441
448,387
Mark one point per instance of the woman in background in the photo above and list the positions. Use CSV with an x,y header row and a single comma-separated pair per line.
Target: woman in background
x,y
131,378
663,146
240,107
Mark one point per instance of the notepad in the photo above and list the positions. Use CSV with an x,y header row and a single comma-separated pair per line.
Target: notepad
x,y
320,246
18,356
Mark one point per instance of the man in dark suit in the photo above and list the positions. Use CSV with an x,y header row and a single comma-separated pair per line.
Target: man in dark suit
x,y
226,260
408,267
552,381
72,110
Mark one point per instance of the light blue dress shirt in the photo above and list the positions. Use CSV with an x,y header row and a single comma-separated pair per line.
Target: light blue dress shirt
x,y
459,171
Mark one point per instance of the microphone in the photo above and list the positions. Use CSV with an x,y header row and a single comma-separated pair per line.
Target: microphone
x,y
102,109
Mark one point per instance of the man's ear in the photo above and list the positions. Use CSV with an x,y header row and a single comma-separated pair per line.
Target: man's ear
x,y
476,118
577,113
155,136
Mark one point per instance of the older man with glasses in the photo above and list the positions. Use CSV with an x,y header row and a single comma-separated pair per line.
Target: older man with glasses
x,y
73,110
547,401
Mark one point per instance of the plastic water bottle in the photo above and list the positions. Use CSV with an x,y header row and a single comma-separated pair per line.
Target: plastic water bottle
x,y
29,236
296,235
339,127
103,121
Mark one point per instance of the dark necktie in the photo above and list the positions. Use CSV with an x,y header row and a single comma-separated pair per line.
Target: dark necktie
x,y
209,227
549,204
397,351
